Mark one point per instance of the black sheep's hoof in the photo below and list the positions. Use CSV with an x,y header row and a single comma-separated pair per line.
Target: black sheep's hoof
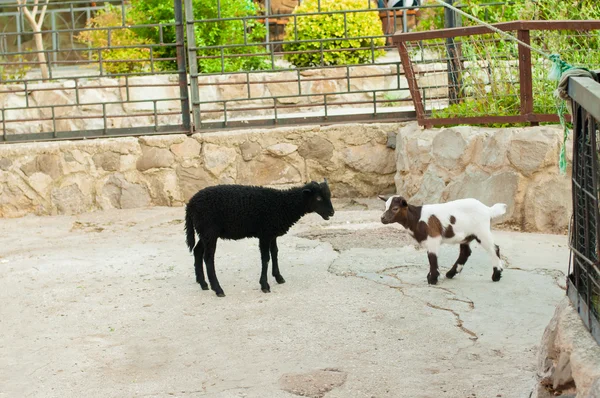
x,y
497,274
220,294
432,280
451,274
204,286
279,279
266,290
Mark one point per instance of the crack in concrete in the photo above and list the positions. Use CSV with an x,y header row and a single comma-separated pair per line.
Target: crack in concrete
x,y
555,274
459,321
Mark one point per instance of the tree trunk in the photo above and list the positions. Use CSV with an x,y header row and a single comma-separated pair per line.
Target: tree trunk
x,y
41,55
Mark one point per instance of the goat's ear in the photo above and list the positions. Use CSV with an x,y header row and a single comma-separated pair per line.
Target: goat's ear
x,y
383,198
403,203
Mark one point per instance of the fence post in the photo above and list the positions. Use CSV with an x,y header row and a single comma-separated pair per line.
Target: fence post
x,y
193,63
181,66
525,76
453,64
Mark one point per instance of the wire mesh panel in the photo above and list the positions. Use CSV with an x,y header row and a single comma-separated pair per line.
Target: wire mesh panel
x,y
112,82
477,76
323,61
584,272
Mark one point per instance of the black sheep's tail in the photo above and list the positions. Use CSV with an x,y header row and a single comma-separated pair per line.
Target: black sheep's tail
x,y
190,233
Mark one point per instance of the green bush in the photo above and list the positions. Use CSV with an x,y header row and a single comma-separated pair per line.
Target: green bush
x,y
488,98
208,34
331,26
12,72
135,51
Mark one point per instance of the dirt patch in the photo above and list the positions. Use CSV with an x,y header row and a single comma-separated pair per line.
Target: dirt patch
x,y
313,384
86,227
344,239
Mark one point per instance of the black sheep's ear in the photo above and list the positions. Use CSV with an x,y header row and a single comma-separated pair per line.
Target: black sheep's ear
x,y
306,191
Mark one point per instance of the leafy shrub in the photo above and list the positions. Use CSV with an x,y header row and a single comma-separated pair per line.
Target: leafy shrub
x,y
487,98
331,26
221,33
137,56
12,72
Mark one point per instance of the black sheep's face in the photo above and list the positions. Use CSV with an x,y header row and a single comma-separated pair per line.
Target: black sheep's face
x,y
319,199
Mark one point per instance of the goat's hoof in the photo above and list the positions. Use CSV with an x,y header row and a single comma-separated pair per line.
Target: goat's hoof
x,y
279,279
432,280
497,274
451,274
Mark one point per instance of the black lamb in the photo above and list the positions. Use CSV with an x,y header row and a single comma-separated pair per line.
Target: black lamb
x,y
240,211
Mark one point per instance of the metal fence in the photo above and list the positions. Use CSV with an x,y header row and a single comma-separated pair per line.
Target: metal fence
x,y
106,78
476,76
583,286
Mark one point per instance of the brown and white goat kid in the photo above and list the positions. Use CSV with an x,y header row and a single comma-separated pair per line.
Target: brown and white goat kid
x,y
458,222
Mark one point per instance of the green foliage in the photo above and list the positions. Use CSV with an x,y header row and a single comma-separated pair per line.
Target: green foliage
x,y
13,72
488,86
331,26
133,48
207,34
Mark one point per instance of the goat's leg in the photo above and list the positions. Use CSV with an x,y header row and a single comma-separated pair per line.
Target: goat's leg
x,y
487,242
198,267
210,246
274,251
264,246
465,252
433,246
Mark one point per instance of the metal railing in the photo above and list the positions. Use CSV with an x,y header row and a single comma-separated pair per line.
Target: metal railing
x,y
481,69
583,282
99,84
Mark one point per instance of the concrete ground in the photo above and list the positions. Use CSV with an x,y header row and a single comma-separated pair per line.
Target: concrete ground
x,y
106,305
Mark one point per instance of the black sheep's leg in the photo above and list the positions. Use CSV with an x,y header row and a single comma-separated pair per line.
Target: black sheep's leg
x,y
274,251
210,245
198,255
264,245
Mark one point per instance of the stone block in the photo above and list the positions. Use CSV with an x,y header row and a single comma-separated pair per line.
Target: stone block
x,y
163,89
154,157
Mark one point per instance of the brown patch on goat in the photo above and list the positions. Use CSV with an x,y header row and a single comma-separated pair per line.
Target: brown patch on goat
x,y
435,226
471,238
452,220
449,232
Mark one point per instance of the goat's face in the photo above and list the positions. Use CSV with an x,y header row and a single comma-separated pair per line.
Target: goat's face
x,y
396,210
319,199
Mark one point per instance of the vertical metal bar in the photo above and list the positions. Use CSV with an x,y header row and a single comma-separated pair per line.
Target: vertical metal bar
x,y
325,104
412,83
77,92
54,36
155,115
404,21
267,37
26,89
193,64
104,123
3,125
53,122
275,113
525,75
453,63
181,65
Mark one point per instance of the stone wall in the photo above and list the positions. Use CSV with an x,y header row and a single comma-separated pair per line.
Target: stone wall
x,y
70,177
516,166
568,358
